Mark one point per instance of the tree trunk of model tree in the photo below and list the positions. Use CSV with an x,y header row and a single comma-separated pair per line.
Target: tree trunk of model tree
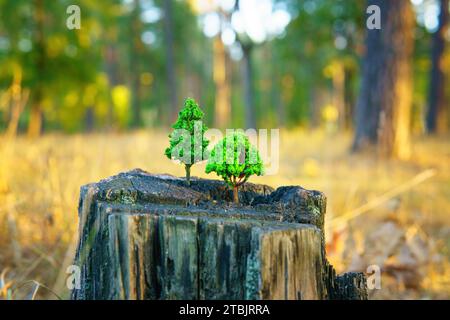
x,y
384,104
36,116
437,106
170,60
223,104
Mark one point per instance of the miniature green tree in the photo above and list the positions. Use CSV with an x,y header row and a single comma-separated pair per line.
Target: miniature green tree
x,y
235,159
187,141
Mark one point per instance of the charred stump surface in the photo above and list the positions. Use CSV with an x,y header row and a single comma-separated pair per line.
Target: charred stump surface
x,y
146,236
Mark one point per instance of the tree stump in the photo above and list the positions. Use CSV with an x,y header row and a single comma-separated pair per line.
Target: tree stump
x,y
146,236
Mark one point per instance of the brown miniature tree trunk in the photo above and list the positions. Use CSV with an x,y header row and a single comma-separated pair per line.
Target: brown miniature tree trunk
x,y
235,194
188,174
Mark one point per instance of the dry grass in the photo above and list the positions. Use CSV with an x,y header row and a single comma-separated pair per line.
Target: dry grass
x,y
40,180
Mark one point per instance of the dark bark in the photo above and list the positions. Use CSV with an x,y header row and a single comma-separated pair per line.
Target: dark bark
x,y
368,104
89,119
150,237
349,98
170,60
384,103
436,95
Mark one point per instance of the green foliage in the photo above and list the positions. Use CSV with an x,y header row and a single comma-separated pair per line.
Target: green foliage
x,y
187,141
235,159
72,74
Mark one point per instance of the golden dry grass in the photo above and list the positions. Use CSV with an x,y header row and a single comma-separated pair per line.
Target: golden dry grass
x,y
40,180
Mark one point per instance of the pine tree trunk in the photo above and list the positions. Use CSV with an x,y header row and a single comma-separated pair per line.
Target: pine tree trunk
x,y
89,119
111,62
339,92
223,104
35,123
250,120
368,103
349,98
384,104
395,113
170,60
275,82
13,124
36,116
19,99
136,49
437,106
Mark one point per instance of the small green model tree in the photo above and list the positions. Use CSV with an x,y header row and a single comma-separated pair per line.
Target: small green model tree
x,y
187,141
235,159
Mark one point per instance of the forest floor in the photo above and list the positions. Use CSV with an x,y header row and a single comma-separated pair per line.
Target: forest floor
x,y
394,214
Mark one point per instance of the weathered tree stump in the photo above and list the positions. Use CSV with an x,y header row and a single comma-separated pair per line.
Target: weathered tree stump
x,y
148,236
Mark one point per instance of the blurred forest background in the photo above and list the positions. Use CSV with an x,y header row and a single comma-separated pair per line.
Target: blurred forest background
x,y
364,117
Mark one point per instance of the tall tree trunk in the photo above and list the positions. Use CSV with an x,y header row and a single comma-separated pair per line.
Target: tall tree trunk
x,y
339,92
135,52
170,59
349,97
223,104
368,103
113,78
250,121
89,119
280,107
36,117
18,98
384,103
436,114
277,106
